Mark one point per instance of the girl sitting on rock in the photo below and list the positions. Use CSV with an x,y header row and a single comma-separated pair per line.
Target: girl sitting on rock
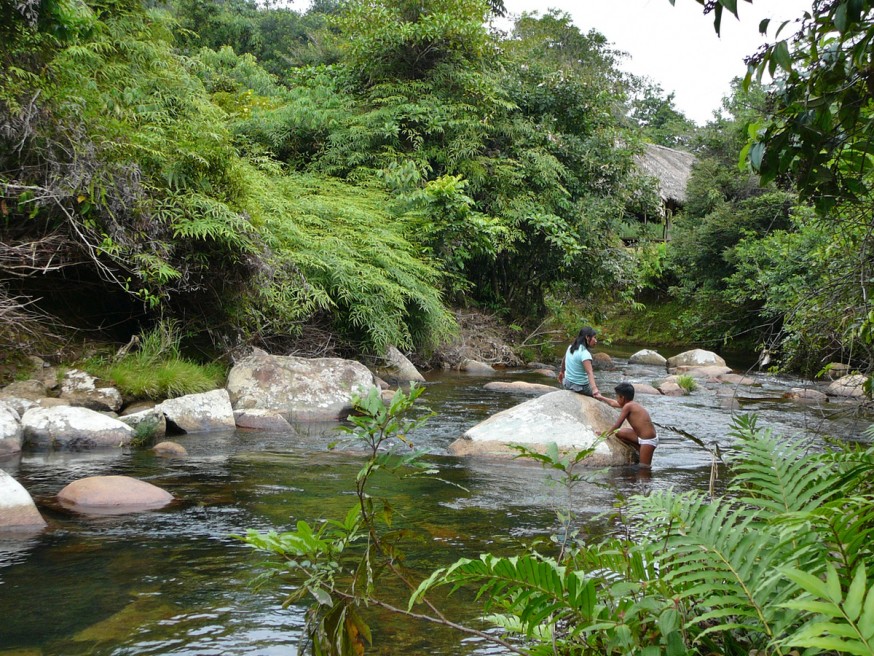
x,y
576,373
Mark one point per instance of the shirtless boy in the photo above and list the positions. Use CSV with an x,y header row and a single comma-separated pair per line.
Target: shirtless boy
x,y
642,436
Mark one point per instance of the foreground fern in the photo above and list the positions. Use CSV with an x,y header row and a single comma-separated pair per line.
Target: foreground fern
x,y
775,566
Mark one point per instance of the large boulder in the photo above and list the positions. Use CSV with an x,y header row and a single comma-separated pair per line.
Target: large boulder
x,y
11,432
80,388
707,371
112,494
695,358
848,386
396,368
71,427
195,413
648,357
476,367
25,389
602,362
150,423
17,509
301,389
572,421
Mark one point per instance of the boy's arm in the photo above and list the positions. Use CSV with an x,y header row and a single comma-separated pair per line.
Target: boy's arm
x,y
611,402
622,417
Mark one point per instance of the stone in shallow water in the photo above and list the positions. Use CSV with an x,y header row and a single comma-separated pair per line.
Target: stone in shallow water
x,y
112,494
17,509
572,421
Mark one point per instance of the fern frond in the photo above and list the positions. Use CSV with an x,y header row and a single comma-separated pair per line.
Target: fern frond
x,y
721,557
776,475
536,591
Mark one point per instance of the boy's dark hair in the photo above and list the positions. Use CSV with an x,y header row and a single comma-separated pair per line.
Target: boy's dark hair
x,y
625,390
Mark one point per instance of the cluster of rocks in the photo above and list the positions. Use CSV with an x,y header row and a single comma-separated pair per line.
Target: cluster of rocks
x,y
70,410
576,422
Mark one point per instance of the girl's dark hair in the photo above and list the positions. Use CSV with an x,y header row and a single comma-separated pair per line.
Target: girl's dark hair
x,y
583,338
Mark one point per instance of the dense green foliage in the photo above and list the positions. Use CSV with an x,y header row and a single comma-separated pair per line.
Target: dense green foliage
x,y
343,175
263,174
751,260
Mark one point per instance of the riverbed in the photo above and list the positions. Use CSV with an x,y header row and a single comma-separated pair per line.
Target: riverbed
x,y
175,581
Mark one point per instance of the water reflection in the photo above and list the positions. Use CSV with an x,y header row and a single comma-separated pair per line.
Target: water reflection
x,y
174,581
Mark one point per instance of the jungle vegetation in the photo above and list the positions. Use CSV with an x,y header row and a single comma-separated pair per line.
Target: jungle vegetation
x,y
341,178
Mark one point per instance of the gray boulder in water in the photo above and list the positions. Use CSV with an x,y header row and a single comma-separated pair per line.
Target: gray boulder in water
x,y
301,389
572,421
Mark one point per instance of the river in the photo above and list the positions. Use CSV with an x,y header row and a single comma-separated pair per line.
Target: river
x,y
176,582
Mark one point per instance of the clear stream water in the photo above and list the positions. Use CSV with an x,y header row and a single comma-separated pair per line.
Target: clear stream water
x,y
175,582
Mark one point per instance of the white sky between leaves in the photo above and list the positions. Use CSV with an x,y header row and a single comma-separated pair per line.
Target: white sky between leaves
x,y
677,46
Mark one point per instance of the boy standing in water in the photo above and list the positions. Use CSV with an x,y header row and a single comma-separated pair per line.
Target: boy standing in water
x,y
642,436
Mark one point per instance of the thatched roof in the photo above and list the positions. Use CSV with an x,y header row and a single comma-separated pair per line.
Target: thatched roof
x,y
670,167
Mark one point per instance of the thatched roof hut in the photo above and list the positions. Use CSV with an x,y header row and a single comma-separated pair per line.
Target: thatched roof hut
x,y
671,168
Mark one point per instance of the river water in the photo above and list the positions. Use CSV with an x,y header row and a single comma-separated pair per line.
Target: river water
x,y
175,581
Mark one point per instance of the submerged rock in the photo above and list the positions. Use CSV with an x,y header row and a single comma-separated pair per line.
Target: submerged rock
x,y
261,419
113,494
572,421
519,387
169,449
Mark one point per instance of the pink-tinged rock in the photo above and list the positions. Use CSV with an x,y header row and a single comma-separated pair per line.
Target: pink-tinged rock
x,y
113,494
806,395
736,379
670,388
169,449
519,387
643,388
17,509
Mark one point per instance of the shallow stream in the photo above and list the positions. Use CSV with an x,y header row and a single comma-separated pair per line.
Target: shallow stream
x,y
175,582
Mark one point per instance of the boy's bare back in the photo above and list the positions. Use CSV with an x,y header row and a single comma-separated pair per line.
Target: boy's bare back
x,y
639,419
